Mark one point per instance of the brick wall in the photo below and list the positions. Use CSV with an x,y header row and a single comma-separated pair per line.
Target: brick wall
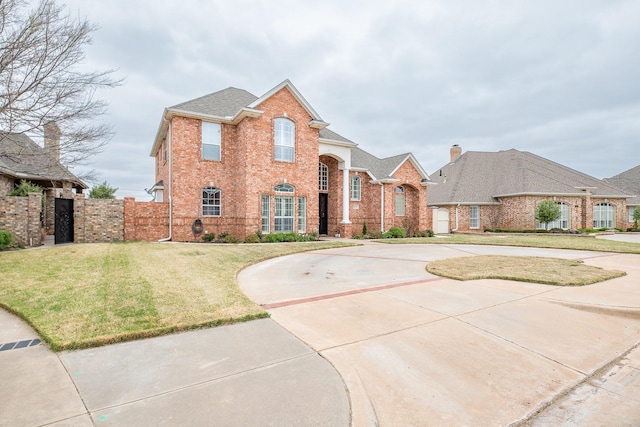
x,y
146,221
6,185
98,220
21,216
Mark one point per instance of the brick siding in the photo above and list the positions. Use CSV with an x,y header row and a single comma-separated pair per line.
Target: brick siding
x,y
21,216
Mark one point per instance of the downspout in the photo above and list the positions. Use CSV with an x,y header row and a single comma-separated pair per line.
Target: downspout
x,y
381,207
456,229
166,239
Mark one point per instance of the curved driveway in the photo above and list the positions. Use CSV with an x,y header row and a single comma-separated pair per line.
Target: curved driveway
x,y
416,349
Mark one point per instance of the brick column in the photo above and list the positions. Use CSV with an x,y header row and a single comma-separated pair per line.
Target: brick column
x,y
79,219
34,227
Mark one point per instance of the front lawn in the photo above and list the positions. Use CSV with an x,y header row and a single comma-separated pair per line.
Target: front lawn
x,y
87,295
533,240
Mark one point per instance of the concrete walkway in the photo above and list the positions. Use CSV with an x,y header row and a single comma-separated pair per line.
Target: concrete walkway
x,y
415,349
361,336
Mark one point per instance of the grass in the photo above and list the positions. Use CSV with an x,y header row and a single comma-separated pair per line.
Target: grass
x,y
535,240
549,271
87,295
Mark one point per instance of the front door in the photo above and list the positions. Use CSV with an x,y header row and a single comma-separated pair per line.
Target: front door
x,y
324,221
63,221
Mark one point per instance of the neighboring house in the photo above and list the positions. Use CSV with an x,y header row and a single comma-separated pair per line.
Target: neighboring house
x,y
480,190
629,181
238,163
22,158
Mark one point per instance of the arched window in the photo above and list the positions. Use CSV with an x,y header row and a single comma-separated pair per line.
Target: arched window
x,y
284,188
604,215
323,177
211,201
564,222
400,201
355,187
284,139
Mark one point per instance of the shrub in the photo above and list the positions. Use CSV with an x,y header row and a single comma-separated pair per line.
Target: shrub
x,y
313,236
24,188
364,228
272,238
6,239
252,238
397,232
425,233
230,238
208,237
357,236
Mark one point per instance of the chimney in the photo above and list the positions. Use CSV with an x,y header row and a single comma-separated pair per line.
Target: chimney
x,y
456,151
52,140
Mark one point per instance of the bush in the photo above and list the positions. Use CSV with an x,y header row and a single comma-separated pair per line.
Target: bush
x,y
272,238
357,236
24,188
397,232
103,191
208,237
230,238
364,228
6,239
425,233
252,238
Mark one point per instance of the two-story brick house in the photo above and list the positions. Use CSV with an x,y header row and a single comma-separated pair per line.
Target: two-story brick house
x,y
234,162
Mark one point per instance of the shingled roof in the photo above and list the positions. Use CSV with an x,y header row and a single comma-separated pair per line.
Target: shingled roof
x,y
482,177
382,169
224,103
22,158
629,181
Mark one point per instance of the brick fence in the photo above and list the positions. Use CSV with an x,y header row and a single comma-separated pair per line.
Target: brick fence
x,y
95,220
21,216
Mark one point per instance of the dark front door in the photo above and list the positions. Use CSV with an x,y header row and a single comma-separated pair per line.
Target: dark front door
x,y
64,221
324,221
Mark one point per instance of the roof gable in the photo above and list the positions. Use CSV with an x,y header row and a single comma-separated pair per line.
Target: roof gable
x,y
381,169
315,117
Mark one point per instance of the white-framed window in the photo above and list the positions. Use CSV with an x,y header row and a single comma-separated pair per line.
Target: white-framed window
x,y
323,177
564,222
355,187
284,139
211,201
211,141
474,217
302,214
631,211
266,213
400,201
283,214
604,215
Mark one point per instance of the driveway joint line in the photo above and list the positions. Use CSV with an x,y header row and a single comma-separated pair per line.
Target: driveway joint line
x,y
362,256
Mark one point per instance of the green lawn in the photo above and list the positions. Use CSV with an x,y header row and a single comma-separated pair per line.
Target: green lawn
x,y
86,295
533,240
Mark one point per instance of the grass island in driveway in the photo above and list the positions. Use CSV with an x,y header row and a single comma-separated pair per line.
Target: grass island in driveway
x,y
86,295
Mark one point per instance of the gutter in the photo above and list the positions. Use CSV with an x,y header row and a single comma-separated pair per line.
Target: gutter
x,y
170,186
457,224
381,207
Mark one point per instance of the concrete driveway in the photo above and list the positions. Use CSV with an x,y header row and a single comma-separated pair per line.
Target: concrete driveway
x,y
415,349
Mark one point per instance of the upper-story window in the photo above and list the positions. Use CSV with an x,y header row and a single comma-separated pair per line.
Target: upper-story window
x,y
211,141
355,187
284,139
284,188
323,177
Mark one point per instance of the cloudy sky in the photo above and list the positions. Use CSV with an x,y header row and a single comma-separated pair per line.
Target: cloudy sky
x,y
560,79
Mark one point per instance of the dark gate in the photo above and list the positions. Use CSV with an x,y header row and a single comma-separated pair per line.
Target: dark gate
x,y
324,220
64,221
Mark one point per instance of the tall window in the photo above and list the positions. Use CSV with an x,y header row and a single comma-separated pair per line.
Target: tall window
x,y
355,187
283,214
604,215
211,201
211,141
266,212
400,201
323,177
284,137
474,216
302,214
564,222
631,211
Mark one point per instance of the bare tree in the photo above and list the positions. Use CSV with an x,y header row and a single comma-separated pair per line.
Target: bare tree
x,y
41,81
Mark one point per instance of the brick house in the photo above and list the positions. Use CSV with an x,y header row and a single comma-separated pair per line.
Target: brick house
x,y
22,158
629,181
234,162
501,190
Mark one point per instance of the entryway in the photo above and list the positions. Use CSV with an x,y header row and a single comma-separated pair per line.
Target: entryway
x,y
324,220
63,221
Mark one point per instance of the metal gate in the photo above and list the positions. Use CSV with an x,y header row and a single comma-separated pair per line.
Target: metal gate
x,y
63,221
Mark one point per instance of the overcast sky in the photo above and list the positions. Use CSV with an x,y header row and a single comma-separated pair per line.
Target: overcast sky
x,y
560,79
